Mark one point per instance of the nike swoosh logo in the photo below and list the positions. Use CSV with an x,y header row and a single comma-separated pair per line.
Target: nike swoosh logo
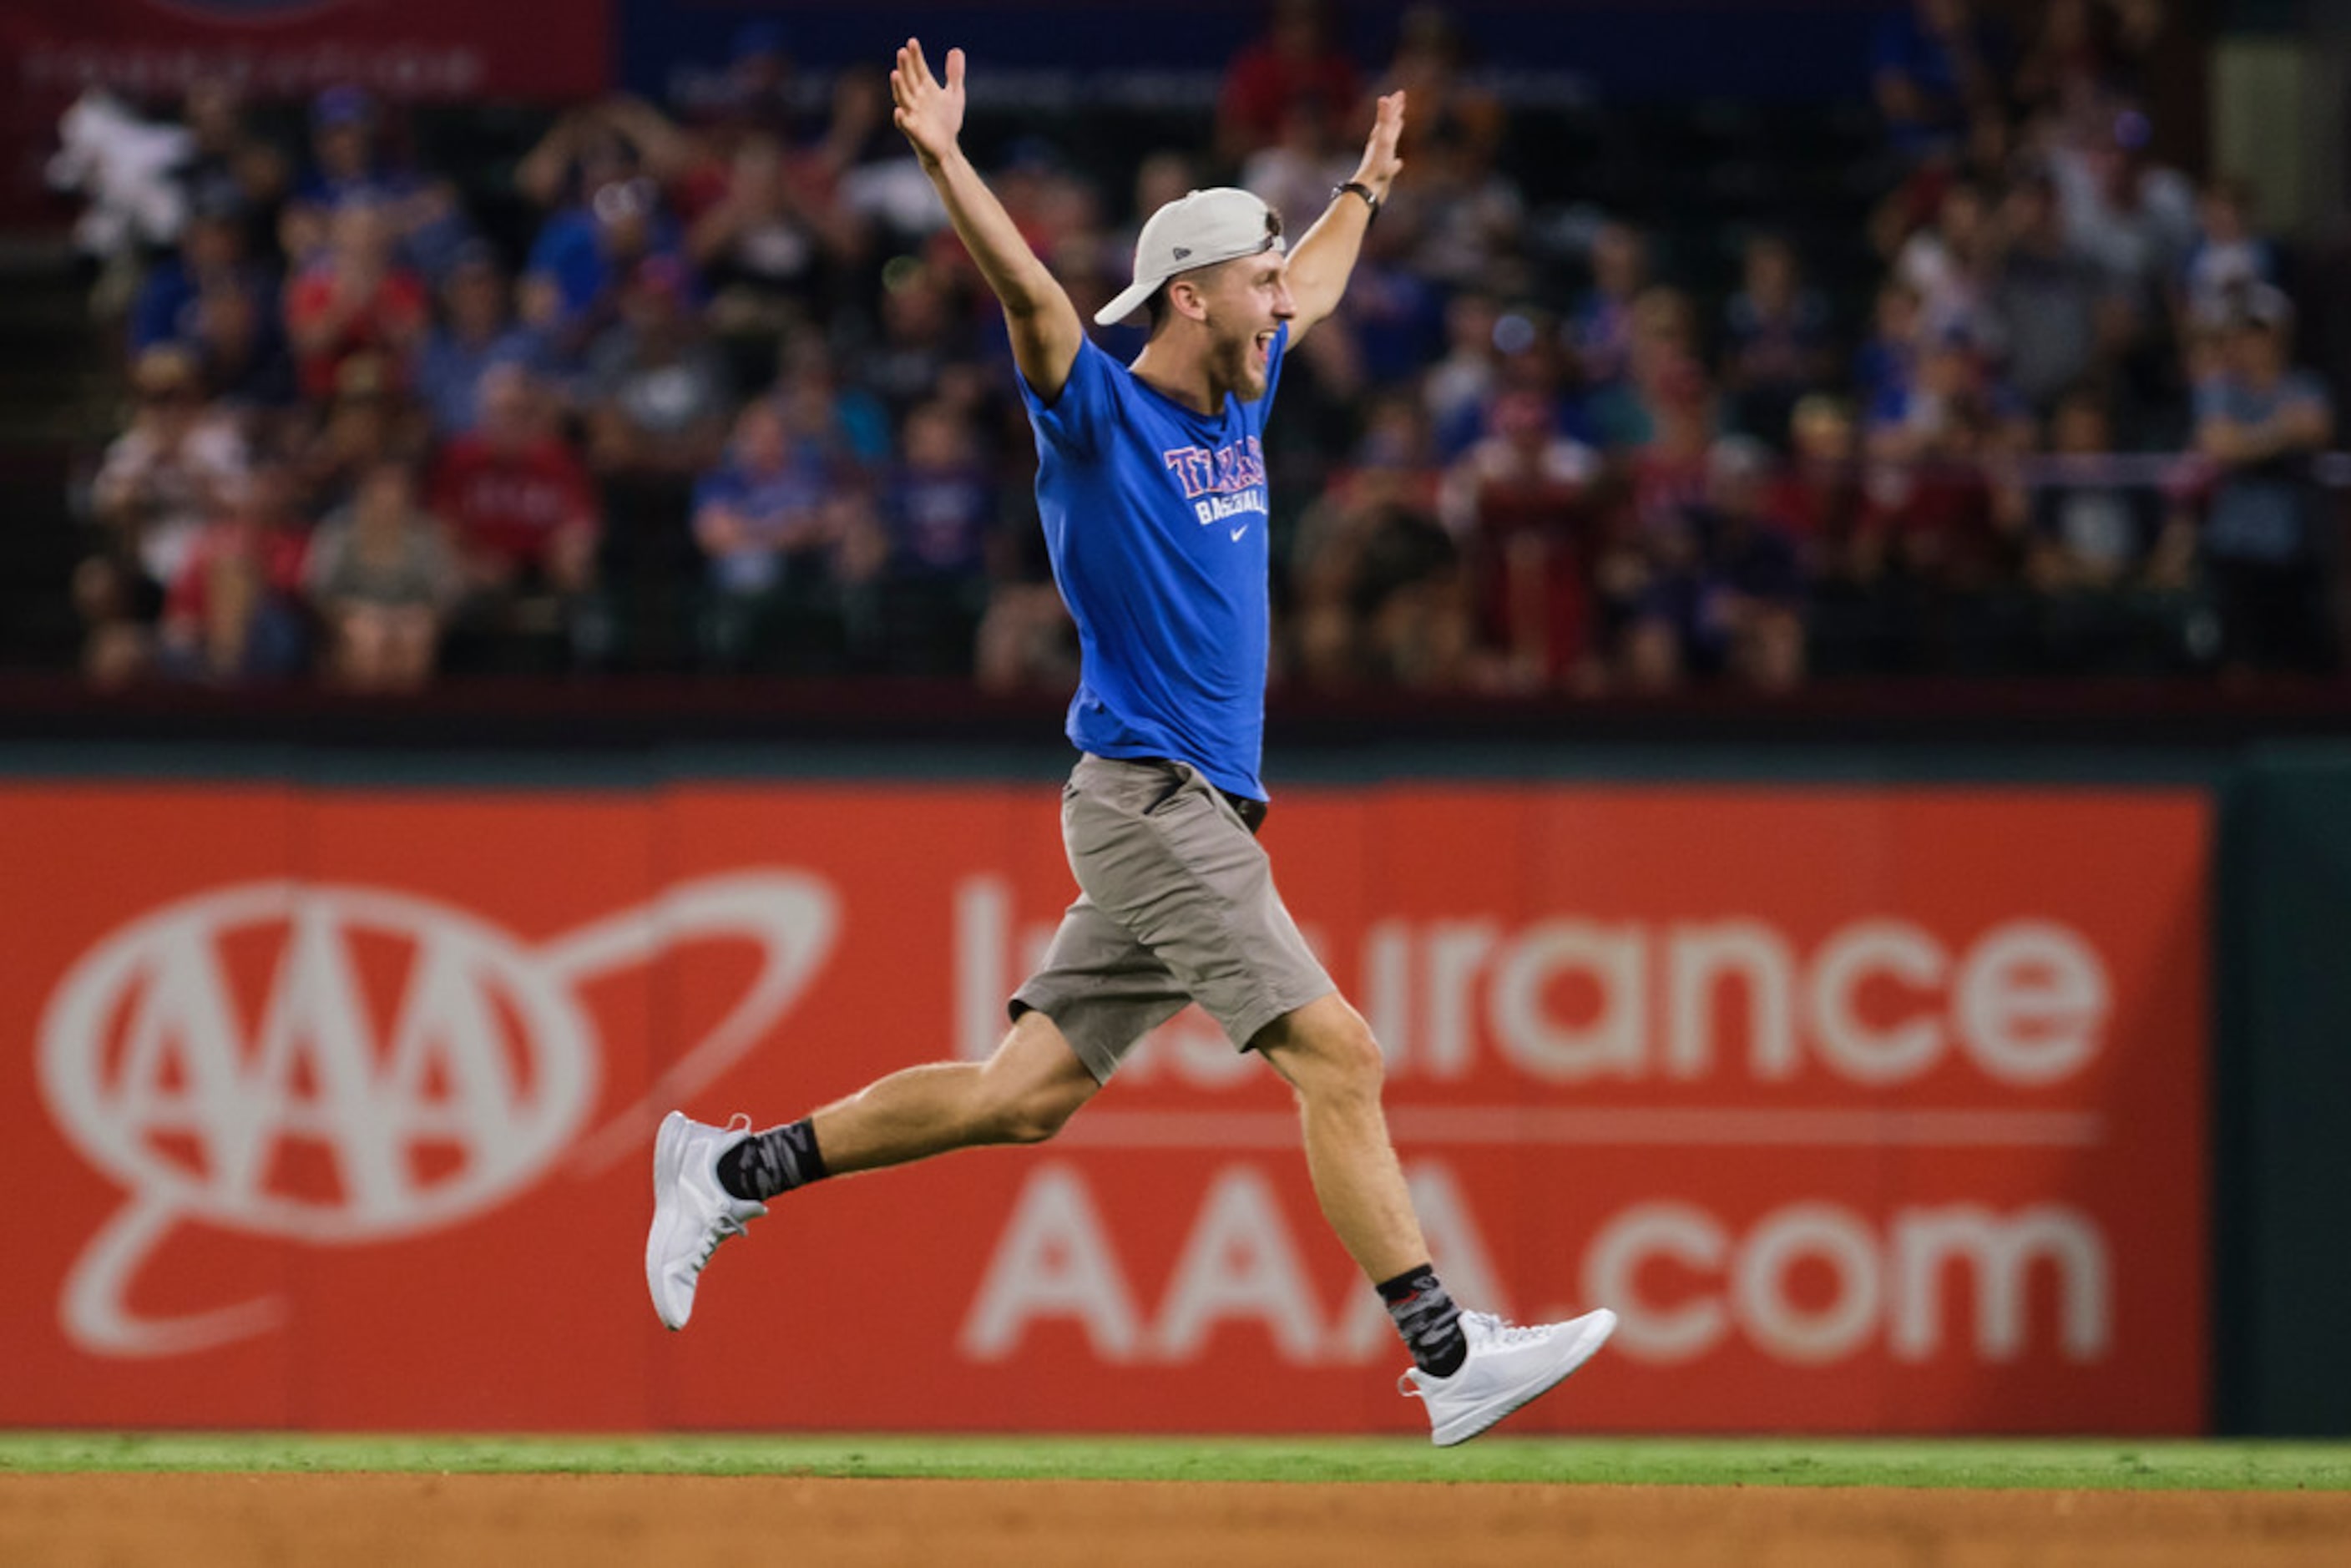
x,y
1239,532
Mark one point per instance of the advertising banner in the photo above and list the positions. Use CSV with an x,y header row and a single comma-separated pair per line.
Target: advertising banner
x,y
1869,1109
434,50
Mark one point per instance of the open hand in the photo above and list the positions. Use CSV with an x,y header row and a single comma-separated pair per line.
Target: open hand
x,y
1381,166
929,112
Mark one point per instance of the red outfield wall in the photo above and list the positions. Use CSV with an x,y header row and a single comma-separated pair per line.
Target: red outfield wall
x,y
436,50
1874,1109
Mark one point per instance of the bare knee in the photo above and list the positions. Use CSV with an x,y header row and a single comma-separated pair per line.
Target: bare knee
x,y
1354,1069
1032,1086
1031,1115
1327,1053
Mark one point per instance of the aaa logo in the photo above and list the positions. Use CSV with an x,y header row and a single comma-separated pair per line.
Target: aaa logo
x,y
453,1099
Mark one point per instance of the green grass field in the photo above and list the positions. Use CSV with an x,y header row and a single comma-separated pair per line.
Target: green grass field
x,y
2275,1466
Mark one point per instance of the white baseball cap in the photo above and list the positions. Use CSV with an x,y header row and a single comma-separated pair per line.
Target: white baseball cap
x,y
1200,229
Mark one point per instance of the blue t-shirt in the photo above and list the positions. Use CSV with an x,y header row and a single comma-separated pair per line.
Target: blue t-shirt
x,y
2260,512
1156,519
449,372
938,520
772,503
571,250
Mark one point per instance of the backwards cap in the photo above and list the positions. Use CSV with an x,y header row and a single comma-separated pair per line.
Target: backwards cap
x,y
1201,229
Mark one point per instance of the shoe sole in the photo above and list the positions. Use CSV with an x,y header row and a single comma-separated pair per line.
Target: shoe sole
x,y
1586,1345
669,1167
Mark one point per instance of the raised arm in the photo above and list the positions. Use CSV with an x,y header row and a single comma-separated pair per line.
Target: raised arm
x,y
1046,332
1320,265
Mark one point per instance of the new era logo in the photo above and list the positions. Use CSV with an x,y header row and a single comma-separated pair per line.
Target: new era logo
x,y
1183,253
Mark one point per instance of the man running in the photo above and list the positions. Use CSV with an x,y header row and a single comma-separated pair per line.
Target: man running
x,y
1151,482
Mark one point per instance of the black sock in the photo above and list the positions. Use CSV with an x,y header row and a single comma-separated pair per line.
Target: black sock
x,y
1430,1322
772,1162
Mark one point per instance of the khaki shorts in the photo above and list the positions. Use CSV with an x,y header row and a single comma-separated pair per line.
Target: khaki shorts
x,y
1179,905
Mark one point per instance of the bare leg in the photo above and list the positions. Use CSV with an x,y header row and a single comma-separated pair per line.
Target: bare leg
x,y
361,647
707,1182
1326,1053
1022,1094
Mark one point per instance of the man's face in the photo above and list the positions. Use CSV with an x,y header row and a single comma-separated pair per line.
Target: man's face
x,y
1617,260
2257,352
476,295
226,320
268,496
362,236
1246,301
1948,370
1771,272
760,437
915,311
1736,488
343,147
2081,426
1824,434
170,403
387,494
1961,216
507,411
212,242
213,113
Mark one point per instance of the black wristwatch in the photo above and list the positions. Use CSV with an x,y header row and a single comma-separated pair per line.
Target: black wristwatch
x,y
1363,191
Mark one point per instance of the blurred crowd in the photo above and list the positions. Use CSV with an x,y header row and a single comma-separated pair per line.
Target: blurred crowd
x,y
733,399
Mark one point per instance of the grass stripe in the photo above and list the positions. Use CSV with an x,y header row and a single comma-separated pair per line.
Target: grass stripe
x,y
2224,1465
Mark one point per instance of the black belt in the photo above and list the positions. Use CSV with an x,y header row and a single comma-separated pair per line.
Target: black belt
x,y
1253,813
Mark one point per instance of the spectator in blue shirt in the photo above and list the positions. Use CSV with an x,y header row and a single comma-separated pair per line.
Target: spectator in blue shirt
x,y
350,166
2226,257
1887,360
1775,339
1929,64
770,519
212,255
588,252
940,501
347,163
235,334
1752,615
2260,422
939,505
474,329
1602,328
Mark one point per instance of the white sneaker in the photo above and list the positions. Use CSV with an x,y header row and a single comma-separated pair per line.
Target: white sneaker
x,y
1508,1366
691,1213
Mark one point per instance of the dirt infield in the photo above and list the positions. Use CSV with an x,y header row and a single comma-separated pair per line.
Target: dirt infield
x,y
197,1520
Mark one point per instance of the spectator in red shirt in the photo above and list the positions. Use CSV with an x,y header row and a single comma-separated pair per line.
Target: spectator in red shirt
x,y
1819,498
234,611
355,299
1930,450
1297,60
1670,468
515,497
1865,614
1518,505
